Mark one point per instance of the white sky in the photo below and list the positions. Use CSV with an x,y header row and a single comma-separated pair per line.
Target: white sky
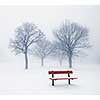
x,y
48,18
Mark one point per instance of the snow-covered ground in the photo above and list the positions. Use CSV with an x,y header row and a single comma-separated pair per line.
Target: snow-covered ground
x,y
14,79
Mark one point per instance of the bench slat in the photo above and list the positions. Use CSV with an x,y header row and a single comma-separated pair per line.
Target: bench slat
x,y
60,72
63,78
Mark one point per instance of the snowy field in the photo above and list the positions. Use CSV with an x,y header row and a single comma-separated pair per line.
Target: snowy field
x,y
14,79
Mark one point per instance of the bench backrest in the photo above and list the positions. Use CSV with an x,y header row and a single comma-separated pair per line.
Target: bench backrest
x,y
60,72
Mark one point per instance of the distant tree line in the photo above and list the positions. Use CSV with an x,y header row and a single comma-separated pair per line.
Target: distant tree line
x,y
70,39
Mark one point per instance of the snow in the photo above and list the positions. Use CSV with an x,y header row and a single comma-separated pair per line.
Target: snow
x,y
14,79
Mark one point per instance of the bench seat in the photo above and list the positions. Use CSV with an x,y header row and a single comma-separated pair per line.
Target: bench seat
x,y
63,78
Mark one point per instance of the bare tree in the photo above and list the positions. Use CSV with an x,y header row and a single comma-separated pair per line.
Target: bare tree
x,y
73,38
25,36
42,49
58,52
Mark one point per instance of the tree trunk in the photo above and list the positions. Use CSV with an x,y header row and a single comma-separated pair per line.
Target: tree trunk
x,y
42,61
26,61
70,61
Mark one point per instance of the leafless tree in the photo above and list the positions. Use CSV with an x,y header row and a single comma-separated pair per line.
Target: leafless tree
x,y
25,36
58,52
42,49
73,38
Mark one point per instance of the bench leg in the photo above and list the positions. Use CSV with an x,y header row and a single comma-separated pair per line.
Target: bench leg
x,y
69,81
52,82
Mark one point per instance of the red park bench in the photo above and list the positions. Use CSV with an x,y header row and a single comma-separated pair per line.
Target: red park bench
x,y
61,72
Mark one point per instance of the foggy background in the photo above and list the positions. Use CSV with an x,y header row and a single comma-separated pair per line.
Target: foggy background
x,y
48,18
